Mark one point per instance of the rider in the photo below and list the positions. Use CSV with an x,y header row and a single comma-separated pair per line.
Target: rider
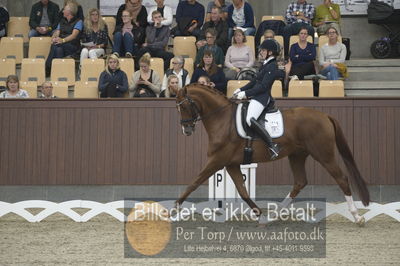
x,y
259,90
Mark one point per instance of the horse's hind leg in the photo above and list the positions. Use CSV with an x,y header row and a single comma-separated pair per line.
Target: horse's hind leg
x,y
334,170
297,164
237,177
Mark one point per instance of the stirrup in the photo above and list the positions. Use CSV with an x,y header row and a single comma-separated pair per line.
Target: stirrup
x,y
274,151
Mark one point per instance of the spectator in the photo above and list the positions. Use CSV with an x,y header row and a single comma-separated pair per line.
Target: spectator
x,y
332,56
4,18
221,28
113,82
12,89
127,36
190,18
239,55
209,68
178,63
298,14
166,13
43,19
138,13
204,80
281,74
157,36
327,15
222,4
95,35
65,39
241,15
79,12
47,91
145,81
172,88
270,34
302,56
218,54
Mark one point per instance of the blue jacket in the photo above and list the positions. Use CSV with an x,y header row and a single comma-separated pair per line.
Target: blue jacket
x,y
195,11
248,16
218,78
260,87
300,56
115,78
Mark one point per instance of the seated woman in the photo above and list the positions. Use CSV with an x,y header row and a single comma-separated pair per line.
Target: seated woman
x,y
113,82
178,63
65,40
145,81
302,56
137,11
127,36
173,87
95,32
238,56
12,89
211,35
332,56
204,80
209,68
259,90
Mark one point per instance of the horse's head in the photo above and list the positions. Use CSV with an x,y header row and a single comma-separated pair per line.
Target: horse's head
x,y
188,110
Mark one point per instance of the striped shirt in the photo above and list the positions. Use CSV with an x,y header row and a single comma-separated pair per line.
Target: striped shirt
x,y
306,9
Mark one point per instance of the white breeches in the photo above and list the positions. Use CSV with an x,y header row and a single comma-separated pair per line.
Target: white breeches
x,y
92,54
254,111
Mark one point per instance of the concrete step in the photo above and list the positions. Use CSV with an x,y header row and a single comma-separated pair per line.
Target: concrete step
x,y
373,63
372,93
374,73
372,85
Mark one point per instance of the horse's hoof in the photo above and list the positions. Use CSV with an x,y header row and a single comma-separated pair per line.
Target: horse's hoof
x,y
360,221
262,221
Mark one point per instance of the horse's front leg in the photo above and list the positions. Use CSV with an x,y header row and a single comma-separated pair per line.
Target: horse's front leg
x,y
210,168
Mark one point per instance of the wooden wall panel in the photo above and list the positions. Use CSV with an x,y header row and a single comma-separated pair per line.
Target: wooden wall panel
x,y
68,142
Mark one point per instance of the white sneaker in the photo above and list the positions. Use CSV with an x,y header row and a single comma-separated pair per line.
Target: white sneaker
x,y
294,77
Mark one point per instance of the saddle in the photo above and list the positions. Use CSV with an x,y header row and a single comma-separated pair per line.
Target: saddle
x,y
271,118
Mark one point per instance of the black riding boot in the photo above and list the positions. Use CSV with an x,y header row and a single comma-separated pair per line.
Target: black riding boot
x,y
260,130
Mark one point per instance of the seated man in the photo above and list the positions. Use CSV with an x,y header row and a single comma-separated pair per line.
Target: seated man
x,y
166,13
47,91
327,15
44,18
157,39
220,26
218,3
240,15
190,18
298,14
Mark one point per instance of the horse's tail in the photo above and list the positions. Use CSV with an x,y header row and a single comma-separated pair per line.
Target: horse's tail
x,y
356,179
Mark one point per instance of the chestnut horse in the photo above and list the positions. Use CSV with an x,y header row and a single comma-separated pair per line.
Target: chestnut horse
x,y
307,132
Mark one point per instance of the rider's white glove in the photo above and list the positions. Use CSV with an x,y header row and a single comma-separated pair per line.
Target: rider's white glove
x,y
236,91
241,95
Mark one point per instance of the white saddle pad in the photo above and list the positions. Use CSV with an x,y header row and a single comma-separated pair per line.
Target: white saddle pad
x,y
274,123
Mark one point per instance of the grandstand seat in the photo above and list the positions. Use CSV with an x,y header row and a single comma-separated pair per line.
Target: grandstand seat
x,y
301,88
91,69
86,89
12,47
185,46
189,66
63,70
39,47
276,90
233,85
110,21
7,68
331,88
33,69
251,43
30,87
18,27
272,18
157,64
60,89
128,66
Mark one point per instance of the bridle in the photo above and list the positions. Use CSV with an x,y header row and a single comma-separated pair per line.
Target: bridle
x,y
194,110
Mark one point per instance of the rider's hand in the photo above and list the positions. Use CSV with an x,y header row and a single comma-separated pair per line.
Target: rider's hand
x,y
236,91
241,95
